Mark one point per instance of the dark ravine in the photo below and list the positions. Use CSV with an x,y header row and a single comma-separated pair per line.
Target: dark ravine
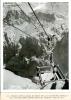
x,y
61,53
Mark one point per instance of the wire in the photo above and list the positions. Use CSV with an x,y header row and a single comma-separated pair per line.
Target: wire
x,y
37,18
27,16
18,29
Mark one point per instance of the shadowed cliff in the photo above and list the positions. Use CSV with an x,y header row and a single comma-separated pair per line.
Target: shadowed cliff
x,y
61,53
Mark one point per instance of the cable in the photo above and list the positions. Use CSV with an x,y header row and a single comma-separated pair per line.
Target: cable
x,y
27,16
20,30
37,18
17,28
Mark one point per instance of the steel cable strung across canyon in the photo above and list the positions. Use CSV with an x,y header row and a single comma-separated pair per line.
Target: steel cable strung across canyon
x,y
27,16
37,19
18,29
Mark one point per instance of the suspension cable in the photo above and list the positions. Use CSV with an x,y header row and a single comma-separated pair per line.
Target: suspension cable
x,y
18,29
27,16
37,18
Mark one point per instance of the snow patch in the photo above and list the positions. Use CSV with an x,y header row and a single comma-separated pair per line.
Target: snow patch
x,y
12,81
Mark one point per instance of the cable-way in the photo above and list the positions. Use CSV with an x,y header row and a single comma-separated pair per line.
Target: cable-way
x,y
36,27
27,16
37,18
59,73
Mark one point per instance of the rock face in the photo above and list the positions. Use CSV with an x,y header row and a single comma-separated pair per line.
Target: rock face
x,y
61,53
